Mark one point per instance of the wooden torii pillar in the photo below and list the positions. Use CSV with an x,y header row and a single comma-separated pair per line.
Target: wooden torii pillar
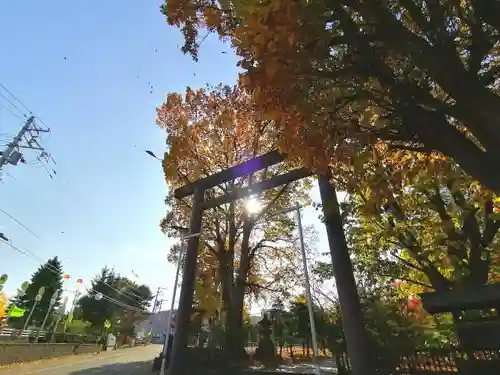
x,y
355,332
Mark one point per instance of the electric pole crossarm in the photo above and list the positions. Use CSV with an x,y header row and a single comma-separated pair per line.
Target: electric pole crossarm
x,y
28,139
6,156
31,148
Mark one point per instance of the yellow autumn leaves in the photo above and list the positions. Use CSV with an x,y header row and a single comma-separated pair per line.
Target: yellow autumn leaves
x,y
3,305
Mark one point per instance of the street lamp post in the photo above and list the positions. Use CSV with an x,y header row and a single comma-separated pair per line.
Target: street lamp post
x,y
60,314
38,298
51,304
184,236
71,311
307,283
152,154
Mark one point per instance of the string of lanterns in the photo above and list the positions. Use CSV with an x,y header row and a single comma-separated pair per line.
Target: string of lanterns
x,y
67,277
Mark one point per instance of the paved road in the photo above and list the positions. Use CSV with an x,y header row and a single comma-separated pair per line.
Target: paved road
x,y
133,361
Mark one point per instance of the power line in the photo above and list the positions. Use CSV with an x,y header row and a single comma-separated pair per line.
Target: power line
x,y
33,256
55,176
117,302
123,293
15,97
129,294
12,104
10,110
20,223
30,133
16,248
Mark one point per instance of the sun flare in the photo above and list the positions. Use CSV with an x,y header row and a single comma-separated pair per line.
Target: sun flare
x,y
253,206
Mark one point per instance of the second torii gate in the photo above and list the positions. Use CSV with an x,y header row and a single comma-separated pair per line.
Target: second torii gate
x,y
352,320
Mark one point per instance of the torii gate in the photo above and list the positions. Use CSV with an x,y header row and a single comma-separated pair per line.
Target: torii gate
x,y
352,319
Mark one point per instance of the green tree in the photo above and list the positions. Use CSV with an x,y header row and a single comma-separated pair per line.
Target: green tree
x,y
49,276
123,302
392,316
95,310
438,233
388,325
78,327
134,295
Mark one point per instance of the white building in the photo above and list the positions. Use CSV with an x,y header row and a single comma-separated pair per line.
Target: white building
x,y
154,324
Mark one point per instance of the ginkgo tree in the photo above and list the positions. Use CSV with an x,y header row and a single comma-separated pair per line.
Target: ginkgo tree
x,y
417,75
209,130
3,307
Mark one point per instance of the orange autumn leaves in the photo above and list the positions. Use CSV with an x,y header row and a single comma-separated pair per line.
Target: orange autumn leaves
x,y
307,67
270,42
208,130
280,43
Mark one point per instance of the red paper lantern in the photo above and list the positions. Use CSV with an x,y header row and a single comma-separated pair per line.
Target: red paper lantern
x,y
413,302
66,276
79,281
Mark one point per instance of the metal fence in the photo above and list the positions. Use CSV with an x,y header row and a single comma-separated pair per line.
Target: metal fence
x,y
432,362
13,333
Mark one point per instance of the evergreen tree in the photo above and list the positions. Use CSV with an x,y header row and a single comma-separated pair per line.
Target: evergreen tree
x,y
130,299
95,310
49,276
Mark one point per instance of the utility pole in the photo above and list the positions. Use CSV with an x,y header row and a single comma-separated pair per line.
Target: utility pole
x,y
29,133
184,236
155,303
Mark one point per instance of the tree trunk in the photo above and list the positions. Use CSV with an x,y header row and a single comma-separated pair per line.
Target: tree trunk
x,y
227,302
235,320
226,261
237,306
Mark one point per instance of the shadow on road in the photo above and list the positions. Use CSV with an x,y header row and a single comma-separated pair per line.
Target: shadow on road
x,y
130,368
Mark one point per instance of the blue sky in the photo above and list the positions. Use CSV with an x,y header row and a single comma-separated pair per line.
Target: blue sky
x,y
84,68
